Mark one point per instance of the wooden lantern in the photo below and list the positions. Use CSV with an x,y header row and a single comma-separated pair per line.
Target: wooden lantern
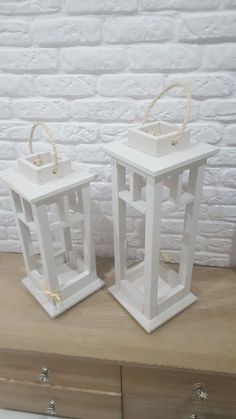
x,y
44,184
151,291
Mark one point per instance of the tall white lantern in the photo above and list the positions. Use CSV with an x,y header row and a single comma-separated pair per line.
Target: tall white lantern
x,y
50,196
156,155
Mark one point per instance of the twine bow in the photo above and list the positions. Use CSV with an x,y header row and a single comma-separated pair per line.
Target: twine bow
x,y
186,115
53,295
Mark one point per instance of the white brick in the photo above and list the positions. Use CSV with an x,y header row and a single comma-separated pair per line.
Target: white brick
x,y
7,218
218,195
93,60
11,7
212,176
203,27
14,33
169,110
75,133
228,177
5,109
164,57
3,234
96,170
180,4
49,110
91,154
112,132
28,60
205,85
225,212
222,110
5,203
216,229
209,133
230,135
104,110
225,157
219,245
231,4
66,85
101,190
69,31
11,85
134,85
212,259
138,29
104,6
219,57
8,151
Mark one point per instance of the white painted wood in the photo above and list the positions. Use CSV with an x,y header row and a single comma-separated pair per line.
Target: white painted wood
x,y
24,233
153,166
152,245
190,225
65,231
175,186
156,138
44,173
89,253
119,222
36,193
61,279
140,205
151,291
45,245
136,183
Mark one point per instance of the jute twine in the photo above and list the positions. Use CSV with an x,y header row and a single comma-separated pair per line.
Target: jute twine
x,y
186,115
38,162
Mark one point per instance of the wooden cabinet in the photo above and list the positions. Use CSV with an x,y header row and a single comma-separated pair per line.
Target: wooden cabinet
x,y
101,365
168,394
79,388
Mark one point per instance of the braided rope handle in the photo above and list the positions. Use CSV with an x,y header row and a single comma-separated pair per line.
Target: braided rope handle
x,y
51,140
186,115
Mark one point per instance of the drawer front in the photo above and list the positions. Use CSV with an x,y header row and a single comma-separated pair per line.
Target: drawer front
x,y
69,403
165,394
65,371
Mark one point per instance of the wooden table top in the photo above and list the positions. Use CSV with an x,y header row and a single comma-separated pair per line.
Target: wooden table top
x,y
202,337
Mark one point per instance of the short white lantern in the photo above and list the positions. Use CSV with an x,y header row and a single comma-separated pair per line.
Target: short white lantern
x,y
156,155
50,196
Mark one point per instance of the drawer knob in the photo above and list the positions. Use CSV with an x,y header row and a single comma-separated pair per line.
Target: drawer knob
x,y
200,391
44,375
51,409
194,416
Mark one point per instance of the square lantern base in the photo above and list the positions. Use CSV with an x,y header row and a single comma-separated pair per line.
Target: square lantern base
x,y
55,310
171,296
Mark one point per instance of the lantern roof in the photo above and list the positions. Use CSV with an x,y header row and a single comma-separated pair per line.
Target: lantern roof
x,y
156,166
33,192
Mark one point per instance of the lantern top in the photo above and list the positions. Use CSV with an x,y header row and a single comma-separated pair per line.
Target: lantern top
x,y
156,166
34,193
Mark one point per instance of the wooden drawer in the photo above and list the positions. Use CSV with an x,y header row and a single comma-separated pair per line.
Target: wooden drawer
x,y
169,394
64,371
70,403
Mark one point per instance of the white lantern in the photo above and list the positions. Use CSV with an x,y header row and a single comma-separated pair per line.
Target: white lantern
x,y
156,155
50,196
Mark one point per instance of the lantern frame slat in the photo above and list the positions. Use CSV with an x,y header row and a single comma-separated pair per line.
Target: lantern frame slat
x,y
62,273
152,292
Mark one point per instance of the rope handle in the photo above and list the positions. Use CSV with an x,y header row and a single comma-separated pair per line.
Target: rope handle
x,y
38,162
187,113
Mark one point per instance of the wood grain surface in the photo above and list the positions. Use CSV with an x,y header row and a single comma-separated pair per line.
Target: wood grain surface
x,y
203,337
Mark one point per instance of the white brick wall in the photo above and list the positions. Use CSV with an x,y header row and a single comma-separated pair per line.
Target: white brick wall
x,y
90,67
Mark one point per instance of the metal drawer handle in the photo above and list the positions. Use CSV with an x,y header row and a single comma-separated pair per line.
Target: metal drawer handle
x,y
44,375
51,409
194,416
200,392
